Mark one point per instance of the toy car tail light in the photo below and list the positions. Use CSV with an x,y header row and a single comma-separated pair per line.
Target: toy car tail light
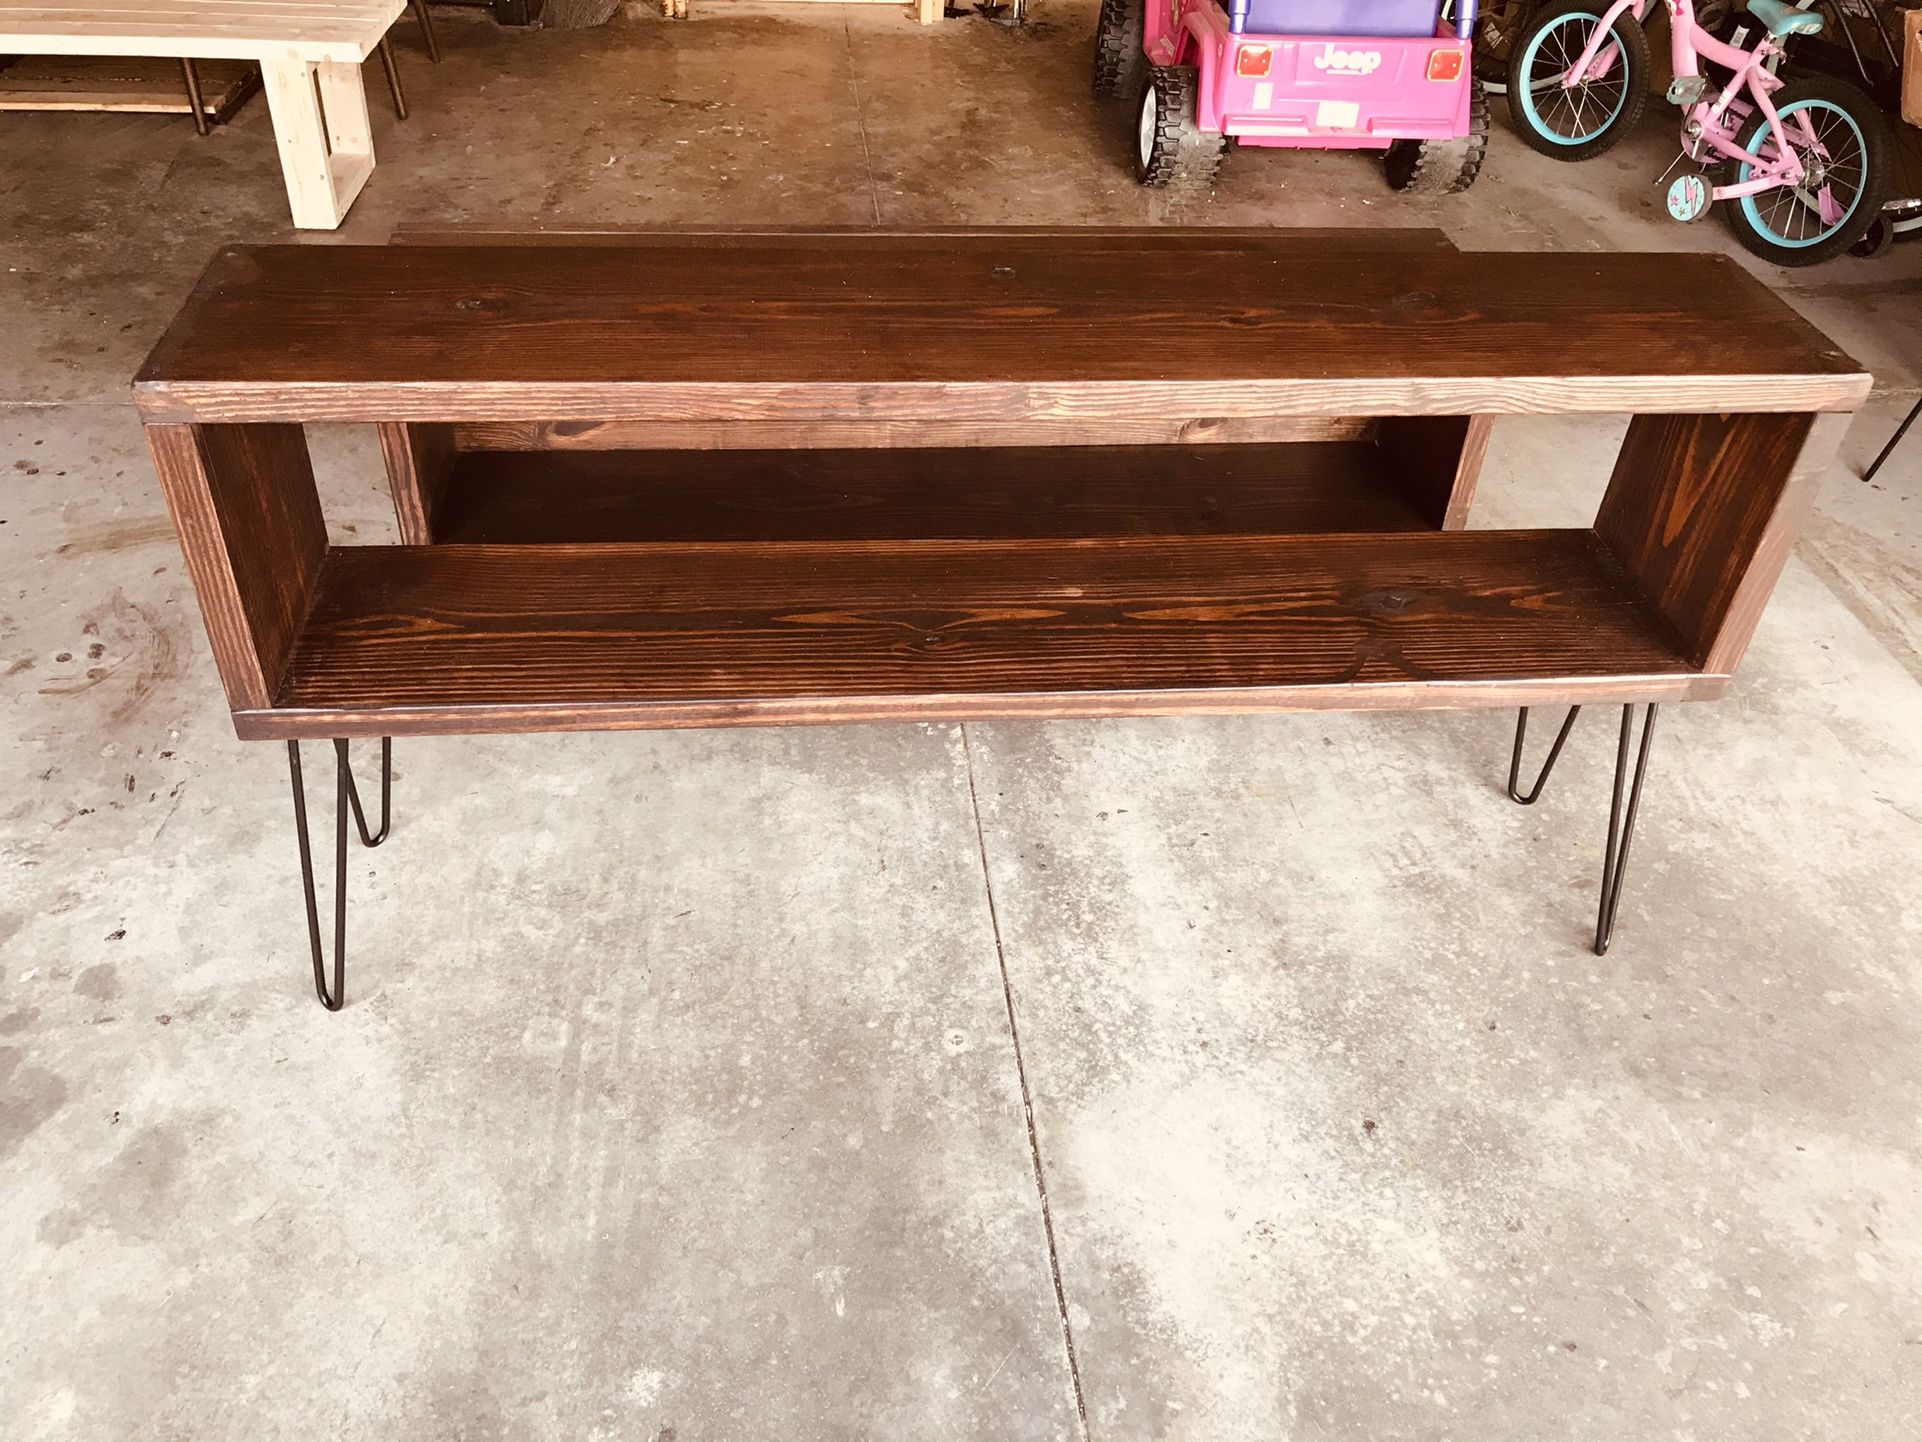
x,y
1253,60
1444,65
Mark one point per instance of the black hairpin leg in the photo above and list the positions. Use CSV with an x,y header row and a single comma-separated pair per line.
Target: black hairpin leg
x,y
1515,761
1621,826
386,792
346,799
1894,440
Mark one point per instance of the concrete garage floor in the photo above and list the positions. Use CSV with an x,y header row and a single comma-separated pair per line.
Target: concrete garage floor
x,y
679,1093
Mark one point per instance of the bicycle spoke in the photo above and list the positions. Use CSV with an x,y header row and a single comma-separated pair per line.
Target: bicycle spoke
x,y
1824,141
1581,110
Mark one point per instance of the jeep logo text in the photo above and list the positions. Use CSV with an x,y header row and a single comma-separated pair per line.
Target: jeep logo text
x,y
1349,62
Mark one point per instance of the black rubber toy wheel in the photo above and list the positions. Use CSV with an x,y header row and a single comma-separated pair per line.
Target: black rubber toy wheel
x,y
1496,26
1876,240
1441,167
1170,147
1119,64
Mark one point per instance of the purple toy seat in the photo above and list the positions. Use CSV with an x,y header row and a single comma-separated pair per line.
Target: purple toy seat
x,y
1411,18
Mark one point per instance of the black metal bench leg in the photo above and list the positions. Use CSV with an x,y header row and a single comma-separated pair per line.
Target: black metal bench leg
x,y
387,64
426,18
1621,827
1533,794
346,799
190,73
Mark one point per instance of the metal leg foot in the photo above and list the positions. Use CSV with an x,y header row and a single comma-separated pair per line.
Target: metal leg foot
x,y
1621,827
1533,794
346,799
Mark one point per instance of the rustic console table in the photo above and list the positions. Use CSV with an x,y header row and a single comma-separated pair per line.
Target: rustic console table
x,y
878,476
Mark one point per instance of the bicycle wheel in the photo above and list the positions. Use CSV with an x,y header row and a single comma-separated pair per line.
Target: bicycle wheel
x,y
1573,122
1844,146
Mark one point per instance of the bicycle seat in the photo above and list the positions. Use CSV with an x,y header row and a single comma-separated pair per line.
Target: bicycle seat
x,y
1785,20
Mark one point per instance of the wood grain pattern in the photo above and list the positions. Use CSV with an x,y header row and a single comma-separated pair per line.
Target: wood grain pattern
x,y
934,434
1468,472
815,495
412,639
1692,499
949,574
243,501
1770,551
919,328
420,458
323,134
1122,240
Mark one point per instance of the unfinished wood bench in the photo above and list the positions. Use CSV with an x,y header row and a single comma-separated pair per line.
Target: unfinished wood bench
x,y
309,56
949,476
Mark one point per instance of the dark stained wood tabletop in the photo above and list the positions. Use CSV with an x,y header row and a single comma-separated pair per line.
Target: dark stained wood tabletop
x,y
992,326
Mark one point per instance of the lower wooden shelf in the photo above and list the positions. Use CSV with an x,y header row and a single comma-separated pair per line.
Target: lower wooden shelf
x,y
124,83
448,638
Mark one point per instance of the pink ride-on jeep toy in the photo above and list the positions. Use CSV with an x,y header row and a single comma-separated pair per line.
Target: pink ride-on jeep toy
x,y
1388,75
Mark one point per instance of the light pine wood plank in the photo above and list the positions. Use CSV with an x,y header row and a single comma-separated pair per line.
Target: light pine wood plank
x,y
325,155
129,84
343,103
302,138
311,30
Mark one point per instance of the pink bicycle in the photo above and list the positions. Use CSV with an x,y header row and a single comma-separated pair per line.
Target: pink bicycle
x,y
1804,161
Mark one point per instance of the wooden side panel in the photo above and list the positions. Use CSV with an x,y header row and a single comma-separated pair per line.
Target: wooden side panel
x,y
1436,461
612,435
1702,511
1771,550
1468,472
244,503
419,457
